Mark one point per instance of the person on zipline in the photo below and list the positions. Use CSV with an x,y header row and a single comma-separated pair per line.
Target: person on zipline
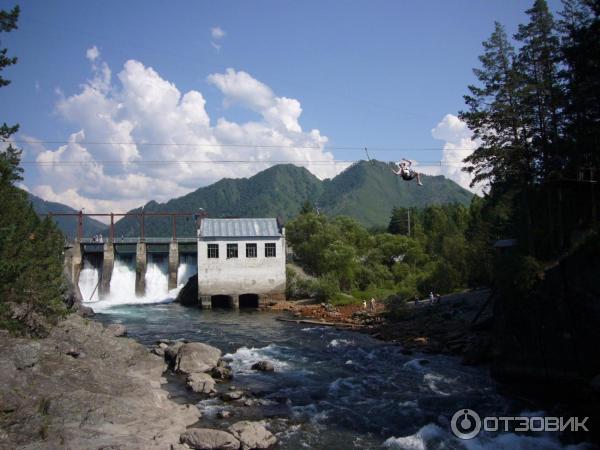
x,y
406,172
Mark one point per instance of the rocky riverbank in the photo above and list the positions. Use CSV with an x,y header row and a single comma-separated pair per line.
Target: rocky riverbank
x,y
84,387
457,324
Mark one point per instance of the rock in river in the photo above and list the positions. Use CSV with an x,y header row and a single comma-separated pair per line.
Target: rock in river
x,y
208,439
196,357
201,383
252,435
263,366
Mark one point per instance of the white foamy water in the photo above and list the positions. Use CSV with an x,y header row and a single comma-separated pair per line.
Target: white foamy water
x,y
88,280
157,276
122,283
432,436
188,266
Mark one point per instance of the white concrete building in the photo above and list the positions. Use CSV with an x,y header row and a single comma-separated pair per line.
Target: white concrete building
x,y
241,262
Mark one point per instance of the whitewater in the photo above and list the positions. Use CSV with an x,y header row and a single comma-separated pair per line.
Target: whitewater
x,y
122,283
331,389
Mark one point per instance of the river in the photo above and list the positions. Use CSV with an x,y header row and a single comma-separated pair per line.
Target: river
x,y
331,389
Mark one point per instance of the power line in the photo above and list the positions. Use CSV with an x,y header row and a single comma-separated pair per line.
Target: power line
x,y
248,146
225,161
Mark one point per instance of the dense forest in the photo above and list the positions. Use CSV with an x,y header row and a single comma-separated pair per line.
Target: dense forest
x,y
423,250
535,113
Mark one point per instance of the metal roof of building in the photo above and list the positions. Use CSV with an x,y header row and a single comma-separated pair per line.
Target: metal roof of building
x,y
239,228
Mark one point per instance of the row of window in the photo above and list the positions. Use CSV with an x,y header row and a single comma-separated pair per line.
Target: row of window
x,y
232,250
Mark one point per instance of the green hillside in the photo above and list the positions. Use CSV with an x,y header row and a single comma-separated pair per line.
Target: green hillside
x,y
369,191
366,191
277,191
68,225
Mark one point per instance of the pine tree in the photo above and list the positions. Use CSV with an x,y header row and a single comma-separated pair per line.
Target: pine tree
x,y
541,93
494,115
580,26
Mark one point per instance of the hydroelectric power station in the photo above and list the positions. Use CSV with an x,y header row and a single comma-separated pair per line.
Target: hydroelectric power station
x,y
238,263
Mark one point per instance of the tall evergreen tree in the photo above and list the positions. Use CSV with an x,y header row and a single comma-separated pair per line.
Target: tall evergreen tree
x,y
494,115
580,26
541,93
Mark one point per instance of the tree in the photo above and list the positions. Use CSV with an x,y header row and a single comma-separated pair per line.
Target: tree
x,y
9,157
31,283
541,93
494,116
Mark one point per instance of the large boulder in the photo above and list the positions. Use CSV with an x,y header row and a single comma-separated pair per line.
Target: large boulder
x,y
188,295
196,357
201,383
208,439
252,435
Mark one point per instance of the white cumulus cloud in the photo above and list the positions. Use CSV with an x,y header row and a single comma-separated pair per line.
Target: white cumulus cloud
x,y
457,146
125,129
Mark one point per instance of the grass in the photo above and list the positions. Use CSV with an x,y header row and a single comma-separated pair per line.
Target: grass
x,y
342,299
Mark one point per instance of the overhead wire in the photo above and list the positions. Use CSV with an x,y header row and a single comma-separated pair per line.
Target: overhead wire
x,y
248,146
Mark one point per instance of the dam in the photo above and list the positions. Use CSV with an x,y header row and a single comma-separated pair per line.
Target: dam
x,y
238,262
129,267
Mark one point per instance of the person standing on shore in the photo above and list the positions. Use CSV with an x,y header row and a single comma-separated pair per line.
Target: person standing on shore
x,y
431,297
372,304
364,304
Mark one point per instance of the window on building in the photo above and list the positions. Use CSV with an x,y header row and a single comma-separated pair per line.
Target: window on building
x,y
213,250
251,251
270,251
232,251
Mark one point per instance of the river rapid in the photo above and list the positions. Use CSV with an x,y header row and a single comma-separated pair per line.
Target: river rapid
x,y
331,389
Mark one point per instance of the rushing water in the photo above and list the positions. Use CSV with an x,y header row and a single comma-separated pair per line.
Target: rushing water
x,y
332,389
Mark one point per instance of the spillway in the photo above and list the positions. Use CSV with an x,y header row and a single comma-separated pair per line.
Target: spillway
x,y
89,277
188,266
122,283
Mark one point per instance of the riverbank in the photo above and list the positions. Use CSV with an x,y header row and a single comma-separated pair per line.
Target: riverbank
x,y
85,386
457,324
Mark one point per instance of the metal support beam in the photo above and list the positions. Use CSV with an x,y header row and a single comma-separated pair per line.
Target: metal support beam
x,y
112,227
79,225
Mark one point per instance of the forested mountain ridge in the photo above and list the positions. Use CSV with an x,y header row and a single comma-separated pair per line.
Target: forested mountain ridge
x,y
68,225
365,191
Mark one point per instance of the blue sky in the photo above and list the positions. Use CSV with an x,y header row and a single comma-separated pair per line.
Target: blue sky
x,y
374,73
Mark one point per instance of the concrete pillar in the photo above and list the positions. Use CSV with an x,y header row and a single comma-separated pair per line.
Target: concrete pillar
x,y
76,261
108,263
205,302
234,302
140,269
173,264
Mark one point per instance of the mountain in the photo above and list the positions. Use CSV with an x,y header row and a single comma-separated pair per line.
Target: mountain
x,y
366,191
68,225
